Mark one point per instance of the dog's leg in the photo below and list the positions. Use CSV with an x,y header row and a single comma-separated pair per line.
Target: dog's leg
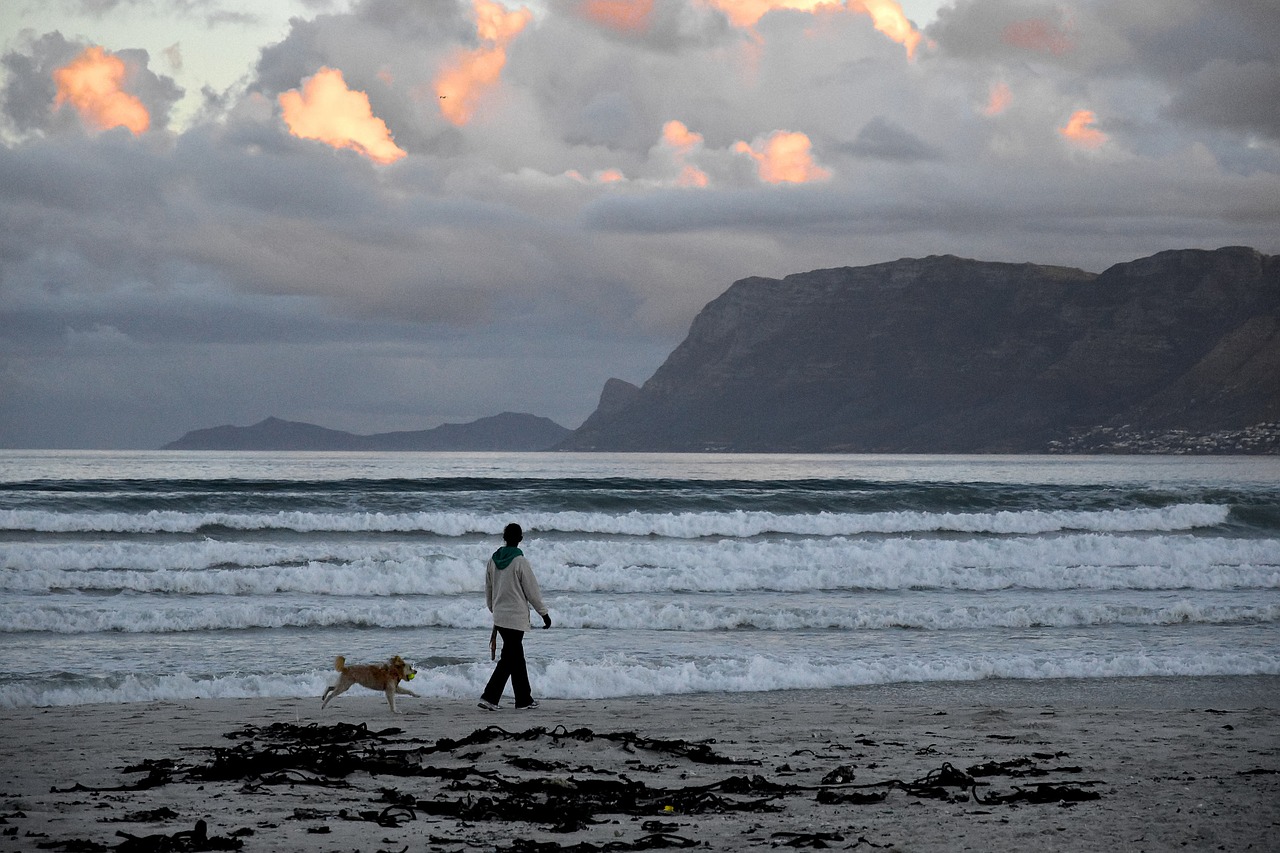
x,y
405,691
334,692
391,698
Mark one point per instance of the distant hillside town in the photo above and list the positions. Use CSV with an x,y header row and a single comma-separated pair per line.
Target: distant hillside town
x,y
1257,439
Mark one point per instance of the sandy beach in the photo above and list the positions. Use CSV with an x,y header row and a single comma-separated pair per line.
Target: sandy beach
x,y
1136,764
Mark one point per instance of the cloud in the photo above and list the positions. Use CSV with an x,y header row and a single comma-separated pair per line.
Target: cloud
x,y
1177,38
682,142
999,97
1088,38
1079,130
173,55
1213,65
53,85
784,156
1039,35
747,13
622,15
211,12
93,84
472,73
326,110
886,15
888,18
1243,97
883,140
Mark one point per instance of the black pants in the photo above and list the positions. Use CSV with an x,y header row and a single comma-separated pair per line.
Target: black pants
x,y
511,665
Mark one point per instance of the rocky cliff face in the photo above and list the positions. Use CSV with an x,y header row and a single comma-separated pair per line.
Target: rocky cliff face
x,y
943,354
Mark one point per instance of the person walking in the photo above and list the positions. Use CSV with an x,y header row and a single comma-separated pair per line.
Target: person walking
x,y
510,590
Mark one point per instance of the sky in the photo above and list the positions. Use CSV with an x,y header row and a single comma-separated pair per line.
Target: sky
x,y
380,215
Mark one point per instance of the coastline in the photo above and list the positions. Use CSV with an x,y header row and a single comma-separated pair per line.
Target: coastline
x,y
1175,763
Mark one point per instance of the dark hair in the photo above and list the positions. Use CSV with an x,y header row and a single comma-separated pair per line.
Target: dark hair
x,y
512,534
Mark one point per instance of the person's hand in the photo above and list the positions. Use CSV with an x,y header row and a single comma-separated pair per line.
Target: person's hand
x,y
546,621
493,648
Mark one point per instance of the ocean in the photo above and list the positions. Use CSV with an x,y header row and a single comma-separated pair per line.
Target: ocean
x,y
146,576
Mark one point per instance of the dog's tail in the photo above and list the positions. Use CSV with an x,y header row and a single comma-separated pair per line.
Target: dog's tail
x,y
339,663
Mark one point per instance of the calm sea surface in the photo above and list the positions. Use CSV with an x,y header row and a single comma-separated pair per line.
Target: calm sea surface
x,y
137,576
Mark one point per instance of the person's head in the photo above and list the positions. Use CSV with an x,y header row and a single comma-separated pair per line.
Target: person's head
x,y
512,534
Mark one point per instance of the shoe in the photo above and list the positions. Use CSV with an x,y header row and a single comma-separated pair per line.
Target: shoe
x,y
488,706
530,706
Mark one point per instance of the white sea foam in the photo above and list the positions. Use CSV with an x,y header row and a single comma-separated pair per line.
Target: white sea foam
x,y
781,613
680,525
144,617
1054,562
1076,561
619,675
354,574
161,688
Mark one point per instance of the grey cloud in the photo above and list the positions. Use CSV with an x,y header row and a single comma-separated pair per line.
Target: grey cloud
x,y
212,12
1223,94
592,86
157,92
1240,97
607,119
1179,37
225,18
29,91
675,211
1213,64
882,139
86,177
293,178
296,218
977,29
98,7
417,22
915,203
673,26
283,65
395,34
1218,60
598,93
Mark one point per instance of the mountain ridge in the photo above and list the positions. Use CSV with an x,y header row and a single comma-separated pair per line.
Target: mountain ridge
x,y
508,431
952,355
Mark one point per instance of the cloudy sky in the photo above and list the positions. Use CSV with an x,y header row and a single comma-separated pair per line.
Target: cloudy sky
x,y
382,215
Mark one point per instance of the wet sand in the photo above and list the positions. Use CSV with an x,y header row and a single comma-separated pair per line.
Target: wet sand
x,y
1135,764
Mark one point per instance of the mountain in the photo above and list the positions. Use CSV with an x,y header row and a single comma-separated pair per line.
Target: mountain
x,y
1178,351
507,431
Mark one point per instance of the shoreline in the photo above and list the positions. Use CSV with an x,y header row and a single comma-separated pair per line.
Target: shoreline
x,y
1137,763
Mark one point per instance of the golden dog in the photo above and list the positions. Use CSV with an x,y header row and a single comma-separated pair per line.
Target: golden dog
x,y
375,676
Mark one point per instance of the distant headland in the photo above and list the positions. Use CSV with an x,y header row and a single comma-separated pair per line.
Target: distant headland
x,y
510,431
1174,353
